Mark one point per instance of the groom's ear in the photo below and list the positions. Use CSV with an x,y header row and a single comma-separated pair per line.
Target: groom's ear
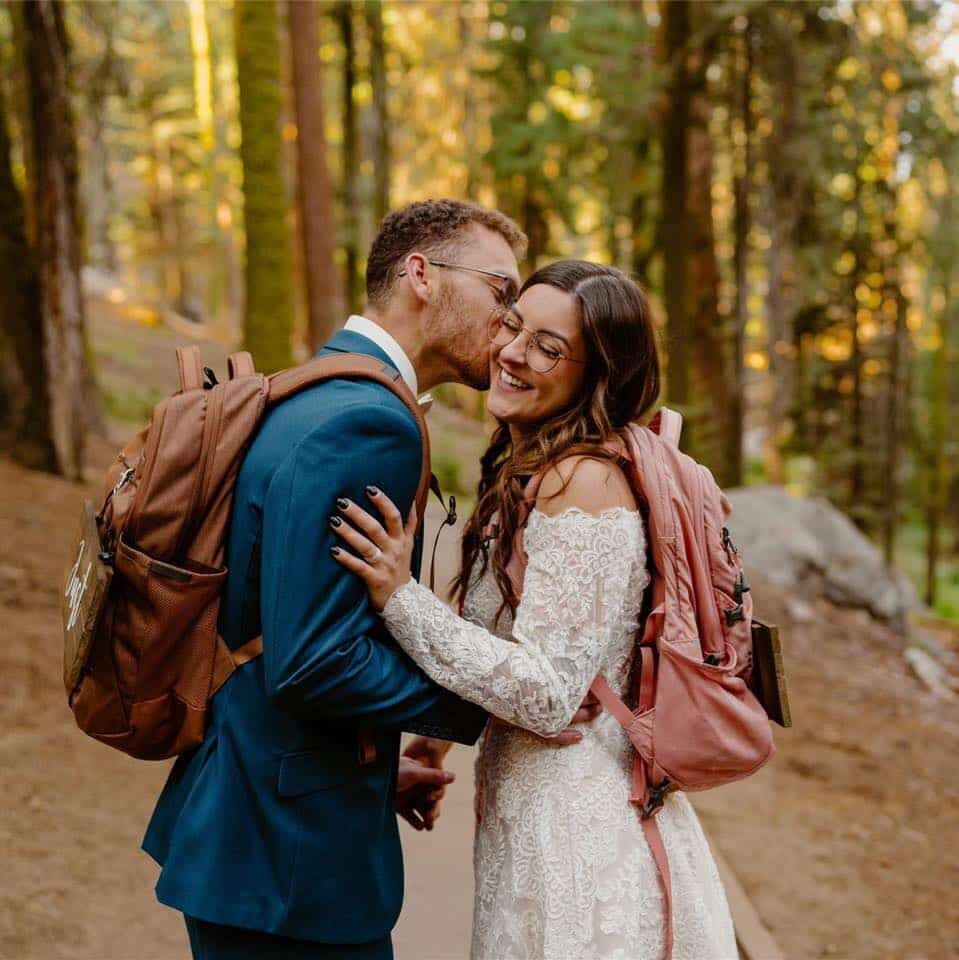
x,y
416,269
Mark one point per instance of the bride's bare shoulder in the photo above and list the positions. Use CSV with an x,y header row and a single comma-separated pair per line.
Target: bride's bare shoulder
x,y
591,484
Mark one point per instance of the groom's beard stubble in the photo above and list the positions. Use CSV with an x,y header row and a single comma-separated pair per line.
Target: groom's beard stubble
x,y
468,351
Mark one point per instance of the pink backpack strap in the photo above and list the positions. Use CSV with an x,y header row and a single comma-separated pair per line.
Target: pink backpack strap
x,y
668,424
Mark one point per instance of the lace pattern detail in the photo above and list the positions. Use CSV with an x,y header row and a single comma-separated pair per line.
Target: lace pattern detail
x,y
562,866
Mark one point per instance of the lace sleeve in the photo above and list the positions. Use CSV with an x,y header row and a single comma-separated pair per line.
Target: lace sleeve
x,y
581,587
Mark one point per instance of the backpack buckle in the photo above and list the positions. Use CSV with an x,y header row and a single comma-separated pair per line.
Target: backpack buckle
x,y
734,615
657,797
742,586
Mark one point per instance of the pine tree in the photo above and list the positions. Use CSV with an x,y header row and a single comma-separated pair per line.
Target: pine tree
x,y
268,311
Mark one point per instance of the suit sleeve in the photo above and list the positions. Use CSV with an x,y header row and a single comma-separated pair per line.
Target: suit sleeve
x,y
325,650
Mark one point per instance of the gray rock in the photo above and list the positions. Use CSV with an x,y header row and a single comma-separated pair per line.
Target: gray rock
x,y
808,547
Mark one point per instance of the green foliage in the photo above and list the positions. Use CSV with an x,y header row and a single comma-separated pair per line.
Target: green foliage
x,y
448,470
555,110
130,404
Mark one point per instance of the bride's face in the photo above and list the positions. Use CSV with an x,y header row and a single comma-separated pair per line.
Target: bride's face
x,y
538,358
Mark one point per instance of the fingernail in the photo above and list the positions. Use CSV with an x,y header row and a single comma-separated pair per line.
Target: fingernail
x,y
335,551
371,491
343,503
335,521
449,777
577,737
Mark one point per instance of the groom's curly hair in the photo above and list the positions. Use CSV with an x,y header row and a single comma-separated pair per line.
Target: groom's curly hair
x,y
431,227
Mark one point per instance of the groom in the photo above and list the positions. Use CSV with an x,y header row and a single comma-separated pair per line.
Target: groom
x,y
274,837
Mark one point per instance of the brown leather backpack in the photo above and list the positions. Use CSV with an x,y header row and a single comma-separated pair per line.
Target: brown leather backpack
x,y
142,655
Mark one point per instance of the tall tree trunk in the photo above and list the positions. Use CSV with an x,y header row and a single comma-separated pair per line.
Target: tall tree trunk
x,y
100,79
742,188
163,187
348,180
712,370
465,35
946,331
203,79
268,310
894,303
938,479
674,190
381,119
58,232
314,184
643,250
20,107
699,343
785,170
857,474
26,408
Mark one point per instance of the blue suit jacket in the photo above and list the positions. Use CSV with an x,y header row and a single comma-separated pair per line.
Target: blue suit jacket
x,y
272,823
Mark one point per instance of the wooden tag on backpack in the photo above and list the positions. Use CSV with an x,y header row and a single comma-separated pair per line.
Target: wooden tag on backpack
x,y
85,590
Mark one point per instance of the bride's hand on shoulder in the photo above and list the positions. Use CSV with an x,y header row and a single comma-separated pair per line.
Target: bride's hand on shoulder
x,y
380,553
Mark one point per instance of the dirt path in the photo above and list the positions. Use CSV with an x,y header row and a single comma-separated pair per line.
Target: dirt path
x,y
848,843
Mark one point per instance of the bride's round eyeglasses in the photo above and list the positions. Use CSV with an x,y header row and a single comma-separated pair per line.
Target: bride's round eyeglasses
x,y
543,350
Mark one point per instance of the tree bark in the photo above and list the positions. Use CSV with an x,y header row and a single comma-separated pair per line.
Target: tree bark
x,y
465,36
100,78
742,189
699,343
784,178
26,409
348,180
381,119
268,308
314,184
68,378
674,189
857,474
947,330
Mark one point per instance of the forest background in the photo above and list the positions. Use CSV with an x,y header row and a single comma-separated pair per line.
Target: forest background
x,y
781,177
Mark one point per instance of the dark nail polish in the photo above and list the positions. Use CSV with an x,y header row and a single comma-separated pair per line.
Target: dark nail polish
x,y
371,491
335,551
343,503
335,521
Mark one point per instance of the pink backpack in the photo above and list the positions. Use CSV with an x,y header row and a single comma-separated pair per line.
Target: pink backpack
x,y
696,724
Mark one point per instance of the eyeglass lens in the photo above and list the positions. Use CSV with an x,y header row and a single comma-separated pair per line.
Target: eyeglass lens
x,y
505,328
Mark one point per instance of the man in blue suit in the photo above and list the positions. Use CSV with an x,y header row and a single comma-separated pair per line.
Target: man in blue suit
x,y
274,837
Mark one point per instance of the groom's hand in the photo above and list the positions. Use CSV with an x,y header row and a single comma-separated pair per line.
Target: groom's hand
x,y
422,781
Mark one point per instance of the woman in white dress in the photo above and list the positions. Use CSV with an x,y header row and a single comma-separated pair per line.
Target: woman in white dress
x,y
563,870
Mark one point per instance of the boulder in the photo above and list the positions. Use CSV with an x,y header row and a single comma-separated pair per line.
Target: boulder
x,y
810,549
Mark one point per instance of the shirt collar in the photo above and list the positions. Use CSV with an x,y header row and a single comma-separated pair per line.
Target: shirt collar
x,y
385,341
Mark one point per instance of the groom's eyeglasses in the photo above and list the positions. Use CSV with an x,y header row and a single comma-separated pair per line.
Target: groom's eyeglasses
x,y
506,290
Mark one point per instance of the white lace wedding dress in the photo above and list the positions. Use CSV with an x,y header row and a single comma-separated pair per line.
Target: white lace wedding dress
x,y
563,871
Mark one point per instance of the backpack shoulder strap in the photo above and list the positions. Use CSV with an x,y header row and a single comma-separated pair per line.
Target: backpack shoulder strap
x,y
356,366
668,424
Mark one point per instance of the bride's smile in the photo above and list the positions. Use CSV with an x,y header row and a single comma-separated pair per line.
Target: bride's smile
x,y
537,362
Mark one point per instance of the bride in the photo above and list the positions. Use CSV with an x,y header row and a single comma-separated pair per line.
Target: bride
x,y
562,866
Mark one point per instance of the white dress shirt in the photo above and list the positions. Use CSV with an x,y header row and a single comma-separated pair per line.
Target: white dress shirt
x,y
385,341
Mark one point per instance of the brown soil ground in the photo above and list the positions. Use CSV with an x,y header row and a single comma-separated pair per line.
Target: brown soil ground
x,y
848,843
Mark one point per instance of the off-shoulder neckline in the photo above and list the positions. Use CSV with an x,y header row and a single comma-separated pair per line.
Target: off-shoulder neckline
x,y
608,514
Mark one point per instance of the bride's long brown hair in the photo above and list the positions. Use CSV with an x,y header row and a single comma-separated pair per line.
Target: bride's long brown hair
x,y
621,384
